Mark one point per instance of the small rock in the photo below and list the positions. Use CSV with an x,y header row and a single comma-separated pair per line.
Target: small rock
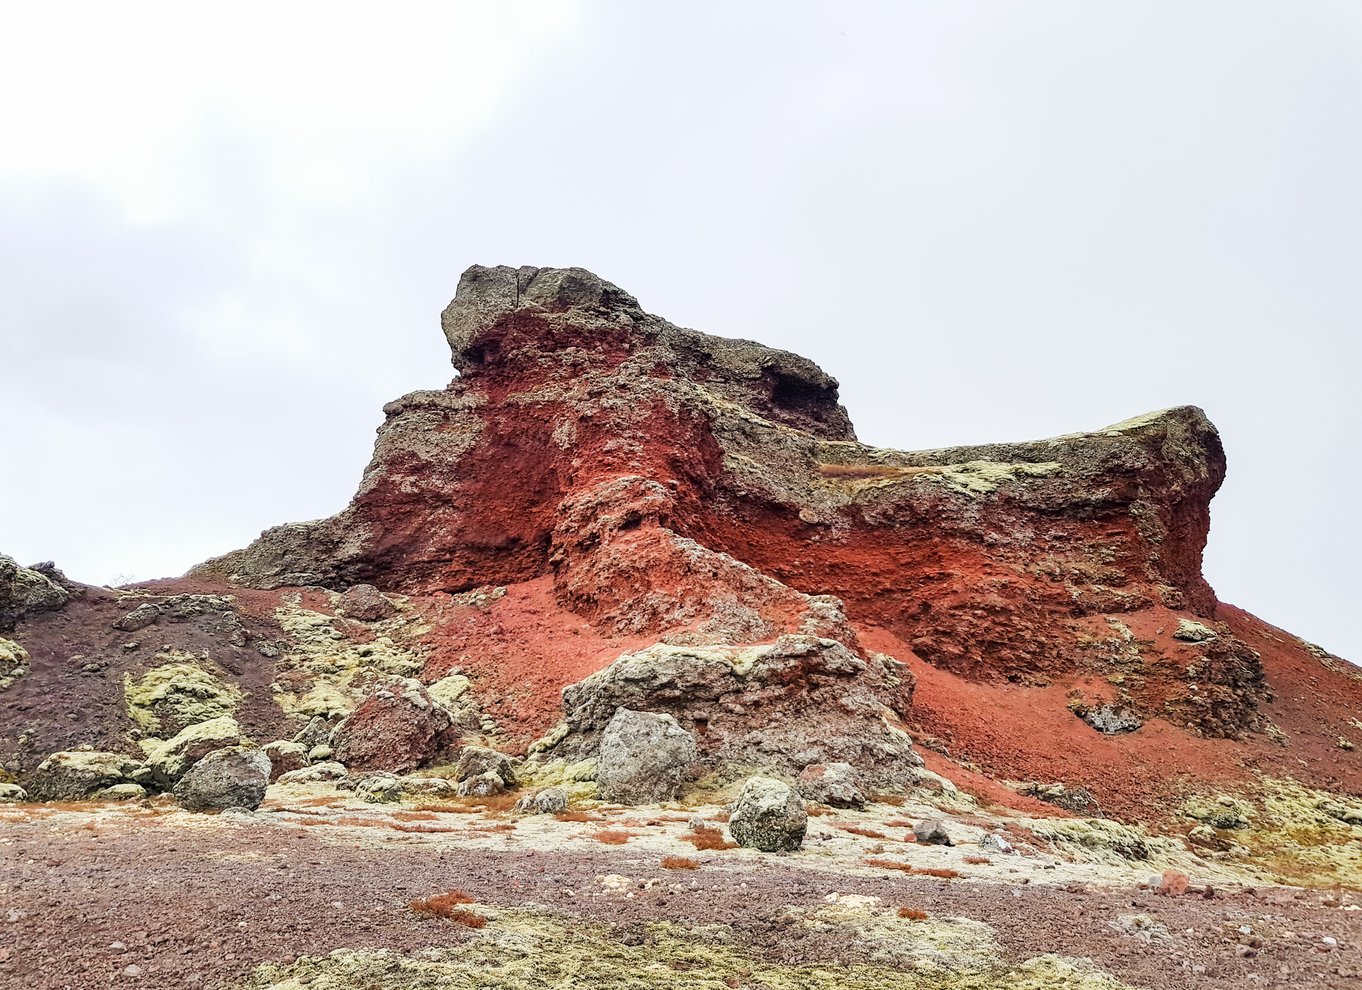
x,y
12,794
314,774
482,785
996,842
133,971
1172,884
380,788
768,815
320,754
285,756
932,832
550,800
476,760
1194,632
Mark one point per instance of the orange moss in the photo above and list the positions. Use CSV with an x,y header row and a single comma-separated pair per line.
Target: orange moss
x,y
925,871
869,833
576,816
612,837
707,838
447,906
913,914
977,860
679,863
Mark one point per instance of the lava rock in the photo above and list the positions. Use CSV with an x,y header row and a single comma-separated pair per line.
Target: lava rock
x,y
317,773
482,785
285,757
768,815
398,728
77,775
932,832
476,760
170,760
25,591
235,777
643,758
549,801
365,603
381,788
837,785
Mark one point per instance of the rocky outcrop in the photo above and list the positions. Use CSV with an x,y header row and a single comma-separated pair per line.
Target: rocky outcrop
x,y
781,707
26,591
396,729
169,760
79,775
234,777
643,757
768,815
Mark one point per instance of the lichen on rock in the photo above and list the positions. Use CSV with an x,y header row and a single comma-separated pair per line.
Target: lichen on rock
x,y
177,693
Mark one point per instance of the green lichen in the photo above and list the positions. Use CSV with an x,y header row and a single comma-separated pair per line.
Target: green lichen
x,y
577,779
177,694
521,949
13,662
975,478
1218,810
1100,840
1305,836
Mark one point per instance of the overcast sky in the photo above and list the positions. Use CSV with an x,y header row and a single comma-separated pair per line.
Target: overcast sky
x,y
226,234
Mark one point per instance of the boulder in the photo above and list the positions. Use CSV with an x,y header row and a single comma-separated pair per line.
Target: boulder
x,y
932,832
397,728
12,794
365,603
430,786
235,777
14,661
381,788
476,760
77,775
643,758
996,842
317,732
768,815
284,757
170,759
314,774
122,792
482,785
549,801
837,785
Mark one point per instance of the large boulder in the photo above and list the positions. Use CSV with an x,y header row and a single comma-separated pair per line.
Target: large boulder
x,y
235,777
78,775
837,785
169,760
26,590
365,603
398,728
549,801
643,758
285,757
769,816
476,760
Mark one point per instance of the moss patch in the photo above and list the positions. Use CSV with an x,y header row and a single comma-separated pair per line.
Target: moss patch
x,y
520,948
177,694
13,662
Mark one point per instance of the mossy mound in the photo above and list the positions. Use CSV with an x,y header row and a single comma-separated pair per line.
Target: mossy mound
x,y
525,949
177,694
13,662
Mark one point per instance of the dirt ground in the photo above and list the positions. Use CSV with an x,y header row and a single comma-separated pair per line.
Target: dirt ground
x,y
153,898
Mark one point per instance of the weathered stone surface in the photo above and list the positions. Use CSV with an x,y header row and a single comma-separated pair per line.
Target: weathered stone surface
x,y
783,706
768,815
170,759
475,760
548,801
837,785
365,603
643,758
397,728
234,777
12,794
932,832
482,785
25,591
77,775
314,774
285,757
380,788
14,662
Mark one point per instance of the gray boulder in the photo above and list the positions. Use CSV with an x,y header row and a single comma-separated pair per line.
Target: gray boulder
x,y
381,788
482,785
365,603
315,774
235,777
643,758
769,816
477,760
77,775
549,801
932,832
837,785
171,759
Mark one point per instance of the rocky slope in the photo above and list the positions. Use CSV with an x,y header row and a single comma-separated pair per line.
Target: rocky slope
x,y
604,510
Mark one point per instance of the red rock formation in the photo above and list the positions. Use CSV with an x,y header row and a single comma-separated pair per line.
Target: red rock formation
x,y
628,482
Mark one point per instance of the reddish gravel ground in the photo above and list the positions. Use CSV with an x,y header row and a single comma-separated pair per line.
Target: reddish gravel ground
x,y
81,904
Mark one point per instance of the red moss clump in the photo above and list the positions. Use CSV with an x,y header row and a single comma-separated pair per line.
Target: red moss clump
x,y
869,833
447,906
913,914
924,871
679,863
977,860
611,837
574,816
707,838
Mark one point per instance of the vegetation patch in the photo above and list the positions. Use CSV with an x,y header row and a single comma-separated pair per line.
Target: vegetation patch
x,y
176,694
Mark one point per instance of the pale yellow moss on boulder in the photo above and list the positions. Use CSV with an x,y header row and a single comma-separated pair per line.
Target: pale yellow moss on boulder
x,y
176,695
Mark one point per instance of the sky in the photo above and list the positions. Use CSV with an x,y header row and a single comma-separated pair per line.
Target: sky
x,y
226,235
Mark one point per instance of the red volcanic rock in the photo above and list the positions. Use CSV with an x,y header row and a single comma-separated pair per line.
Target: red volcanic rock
x,y
398,728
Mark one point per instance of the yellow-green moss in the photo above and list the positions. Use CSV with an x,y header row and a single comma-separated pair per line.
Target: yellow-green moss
x,y
577,779
1217,810
177,694
521,949
13,662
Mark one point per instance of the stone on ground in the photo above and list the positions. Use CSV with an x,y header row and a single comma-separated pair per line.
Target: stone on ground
x,y
768,815
235,777
643,758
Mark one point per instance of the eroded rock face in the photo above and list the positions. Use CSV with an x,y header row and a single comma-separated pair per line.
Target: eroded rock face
x,y
780,707
396,729
26,591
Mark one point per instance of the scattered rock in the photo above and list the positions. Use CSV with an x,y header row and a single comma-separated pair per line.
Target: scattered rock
x,y
235,777
996,842
932,832
643,758
77,775
398,728
546,802
1171,884
837,785
365,603
768,815
285,757
1110,719
1142,927
316,773
380,788
139,618
1079,800
1194,632
316,733
13,662
122,792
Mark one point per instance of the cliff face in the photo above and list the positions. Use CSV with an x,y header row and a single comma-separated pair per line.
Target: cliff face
x,y
604,501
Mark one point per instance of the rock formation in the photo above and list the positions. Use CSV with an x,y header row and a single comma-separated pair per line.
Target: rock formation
x,y
604,511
